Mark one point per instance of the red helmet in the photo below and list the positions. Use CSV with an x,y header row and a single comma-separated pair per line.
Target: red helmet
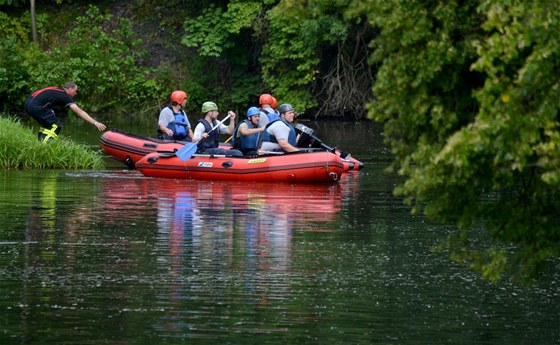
x,y
178,96
274,103
265,98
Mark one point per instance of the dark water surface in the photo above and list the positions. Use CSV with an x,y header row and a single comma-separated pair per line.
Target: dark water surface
x,y
110,257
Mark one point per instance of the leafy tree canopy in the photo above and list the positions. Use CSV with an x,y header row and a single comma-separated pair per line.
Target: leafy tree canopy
x,y
469,92
289,38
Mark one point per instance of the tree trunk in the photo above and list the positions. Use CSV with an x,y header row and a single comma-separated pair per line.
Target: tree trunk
x,y
33,22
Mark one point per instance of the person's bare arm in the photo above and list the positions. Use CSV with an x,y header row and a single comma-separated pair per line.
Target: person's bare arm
x,y
231,126
248,131
166,130
82,113
286,146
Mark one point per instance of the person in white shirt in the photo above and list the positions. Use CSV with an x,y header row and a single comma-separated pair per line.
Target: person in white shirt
x,y
209,139
173,122
280,135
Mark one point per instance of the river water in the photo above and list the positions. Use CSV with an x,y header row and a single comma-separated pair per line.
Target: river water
x,y
109,257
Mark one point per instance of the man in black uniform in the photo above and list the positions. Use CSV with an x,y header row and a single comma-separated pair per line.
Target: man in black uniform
x,y
39,105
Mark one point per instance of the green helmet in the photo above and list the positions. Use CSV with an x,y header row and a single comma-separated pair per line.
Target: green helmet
x,y
208,106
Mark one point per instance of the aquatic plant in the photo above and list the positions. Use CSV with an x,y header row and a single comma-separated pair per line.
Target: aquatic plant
x,y
20,149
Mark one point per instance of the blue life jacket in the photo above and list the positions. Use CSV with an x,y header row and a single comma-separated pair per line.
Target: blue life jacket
x,y
179,126
272,116
291,137
246,142
213,139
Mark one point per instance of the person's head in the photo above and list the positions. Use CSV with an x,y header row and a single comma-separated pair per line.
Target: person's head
x,y
254,115
71,88
210,109
265,99
287,112
179,97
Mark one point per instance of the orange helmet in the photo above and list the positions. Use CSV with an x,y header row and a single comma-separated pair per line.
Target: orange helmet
x,y
178,96
274,103
265,98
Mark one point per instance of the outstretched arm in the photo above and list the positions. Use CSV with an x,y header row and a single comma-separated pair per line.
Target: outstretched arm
x,y
81,113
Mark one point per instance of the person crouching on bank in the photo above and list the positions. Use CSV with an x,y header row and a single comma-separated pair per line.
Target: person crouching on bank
x,y
39,106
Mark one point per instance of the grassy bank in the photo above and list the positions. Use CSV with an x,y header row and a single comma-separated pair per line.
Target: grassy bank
x,y
20,149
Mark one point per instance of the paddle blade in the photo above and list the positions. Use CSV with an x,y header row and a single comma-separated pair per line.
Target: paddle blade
x,y
186,151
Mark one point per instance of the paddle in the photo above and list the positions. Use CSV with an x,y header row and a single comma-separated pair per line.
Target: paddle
x,y
343,155
189,149
317,141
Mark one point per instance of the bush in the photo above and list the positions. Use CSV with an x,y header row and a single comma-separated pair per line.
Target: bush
x,y
100,55
20,149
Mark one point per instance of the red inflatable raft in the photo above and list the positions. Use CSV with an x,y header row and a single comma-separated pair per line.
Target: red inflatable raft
x,y
299,167
130,148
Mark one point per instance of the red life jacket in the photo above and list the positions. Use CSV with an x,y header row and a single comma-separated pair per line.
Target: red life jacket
x,y
34,94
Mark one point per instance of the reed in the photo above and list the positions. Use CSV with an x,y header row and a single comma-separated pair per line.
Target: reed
x,y
20,149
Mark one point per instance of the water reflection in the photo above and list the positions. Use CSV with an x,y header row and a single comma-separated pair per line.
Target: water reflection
x,y
114,242
218,239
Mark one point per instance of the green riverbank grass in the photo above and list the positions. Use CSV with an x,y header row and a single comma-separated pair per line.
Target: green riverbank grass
x,y
20,149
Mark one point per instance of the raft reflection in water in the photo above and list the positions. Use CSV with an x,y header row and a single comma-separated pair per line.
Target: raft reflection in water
x,y
217,237
130,192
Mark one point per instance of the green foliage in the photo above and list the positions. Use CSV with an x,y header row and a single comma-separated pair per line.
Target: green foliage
x,y
291,56
469,94
10,2
243,48
217,33
212,31
16,3
99,55
15,53
293,35
15,27
20,149
13,75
